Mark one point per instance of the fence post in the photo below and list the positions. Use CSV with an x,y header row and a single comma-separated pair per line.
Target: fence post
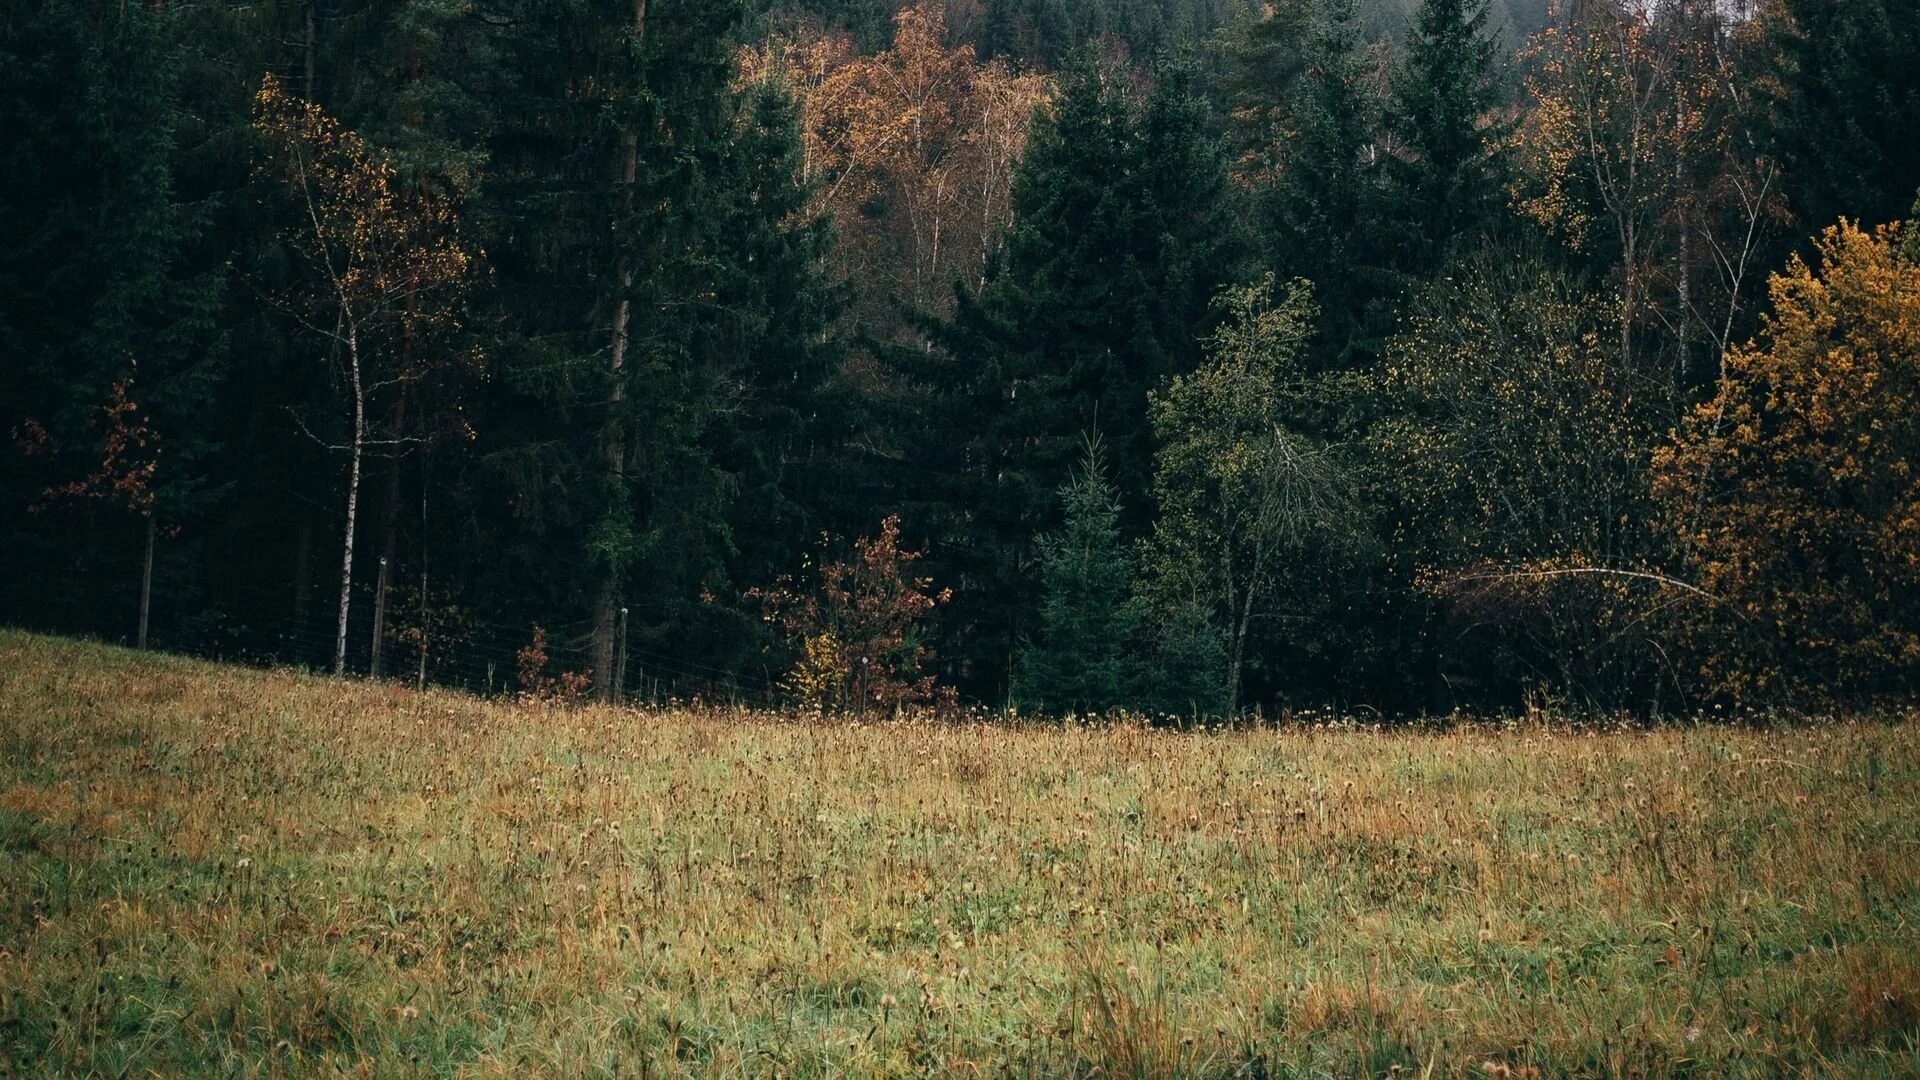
x,y
421,684
146,583
620,662
379,617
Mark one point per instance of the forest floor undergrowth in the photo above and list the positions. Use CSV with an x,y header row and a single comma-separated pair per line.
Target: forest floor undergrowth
x,y
208,869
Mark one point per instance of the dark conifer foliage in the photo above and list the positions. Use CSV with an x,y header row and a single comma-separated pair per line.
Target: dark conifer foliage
x,y
1535,248
1445,169
1846,106
1322,211
1079,659
1122,233
104,298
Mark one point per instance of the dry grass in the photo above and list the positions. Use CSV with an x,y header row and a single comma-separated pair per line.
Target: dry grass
x,y
217,870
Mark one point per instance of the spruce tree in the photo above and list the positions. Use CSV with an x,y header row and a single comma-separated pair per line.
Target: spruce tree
x,y
782,448
1321,213
668,331
1846,90
101,291
1447,167
1118,241
1261,55
1079,659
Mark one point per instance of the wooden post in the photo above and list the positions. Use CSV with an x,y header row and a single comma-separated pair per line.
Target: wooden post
x,y
620,662
379,618
426,484
146,583
421,682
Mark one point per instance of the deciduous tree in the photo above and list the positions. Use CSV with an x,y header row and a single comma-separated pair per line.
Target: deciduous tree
x,y
910,152
1795,492
859,634
1238,496
382,265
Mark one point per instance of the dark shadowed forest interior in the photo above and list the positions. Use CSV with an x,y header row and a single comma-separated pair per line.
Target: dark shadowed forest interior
x,y
1176,356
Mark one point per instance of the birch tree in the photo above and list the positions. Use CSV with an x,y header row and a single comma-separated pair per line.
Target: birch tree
x,y
1239,496
380,265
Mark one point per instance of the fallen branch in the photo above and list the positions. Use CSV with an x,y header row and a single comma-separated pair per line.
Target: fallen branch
x,y
1597,571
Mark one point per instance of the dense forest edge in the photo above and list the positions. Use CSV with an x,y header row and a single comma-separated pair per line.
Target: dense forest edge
x,y
1182,357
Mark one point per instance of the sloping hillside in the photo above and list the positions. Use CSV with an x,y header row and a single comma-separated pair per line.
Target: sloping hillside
x,y
206,869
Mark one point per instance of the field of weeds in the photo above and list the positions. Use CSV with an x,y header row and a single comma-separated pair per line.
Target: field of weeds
x,y
215,870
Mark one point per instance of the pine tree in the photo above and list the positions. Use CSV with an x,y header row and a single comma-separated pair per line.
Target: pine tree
x,y
1079,659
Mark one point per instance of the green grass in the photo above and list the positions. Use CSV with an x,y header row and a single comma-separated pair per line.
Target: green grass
x,y
214,870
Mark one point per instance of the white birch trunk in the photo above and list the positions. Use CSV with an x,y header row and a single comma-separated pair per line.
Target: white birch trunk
x,y
353,501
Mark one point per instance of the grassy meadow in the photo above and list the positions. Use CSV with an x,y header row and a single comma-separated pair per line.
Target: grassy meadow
x,y
212,870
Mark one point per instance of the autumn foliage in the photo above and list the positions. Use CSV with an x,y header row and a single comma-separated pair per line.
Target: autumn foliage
x,y
537,683
859,635
1794,488
910,151
129,450
379,248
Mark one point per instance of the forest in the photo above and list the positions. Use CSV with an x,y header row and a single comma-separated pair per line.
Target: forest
x,y
1181,357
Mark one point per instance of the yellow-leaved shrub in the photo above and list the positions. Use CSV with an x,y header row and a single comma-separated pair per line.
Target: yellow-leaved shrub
x,y
1793,491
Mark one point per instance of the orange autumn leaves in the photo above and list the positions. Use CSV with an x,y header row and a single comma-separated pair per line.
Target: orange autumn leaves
x,y
860,631
1793,491
910,151
381,248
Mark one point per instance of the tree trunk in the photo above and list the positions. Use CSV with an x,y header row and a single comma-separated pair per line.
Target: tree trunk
x,y
313,37
1629,295
426,476
302,581
353,502
620,662
1685,282
420,682
613,441
146,583
1237,652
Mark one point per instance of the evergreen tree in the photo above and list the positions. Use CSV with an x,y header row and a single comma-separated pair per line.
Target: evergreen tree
x,y
1322,210
668,330
1181,672
1261,55
102,296
1847,101
1079,659
782,447
1447,165
1120,233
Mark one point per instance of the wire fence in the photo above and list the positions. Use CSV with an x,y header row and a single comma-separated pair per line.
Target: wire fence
x,y
433,644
